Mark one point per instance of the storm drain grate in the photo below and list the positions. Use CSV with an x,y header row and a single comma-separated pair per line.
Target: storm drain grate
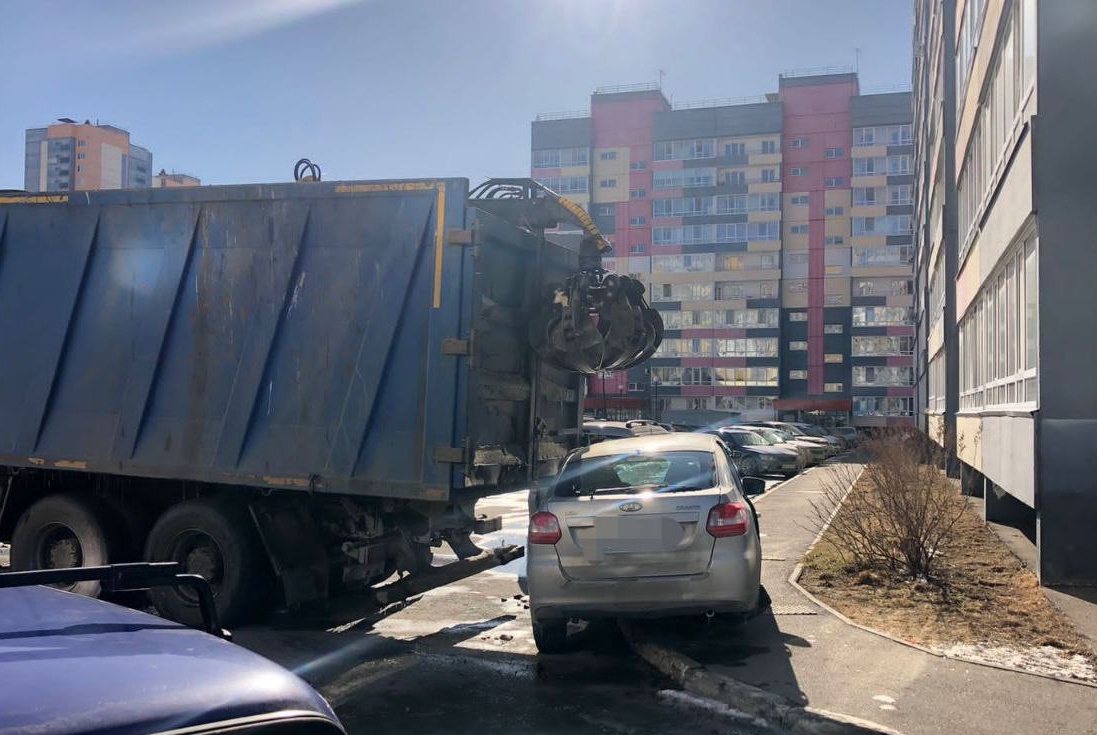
x,y
793,608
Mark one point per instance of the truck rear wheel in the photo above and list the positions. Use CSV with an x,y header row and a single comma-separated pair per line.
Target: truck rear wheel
x,y
218,541
60,532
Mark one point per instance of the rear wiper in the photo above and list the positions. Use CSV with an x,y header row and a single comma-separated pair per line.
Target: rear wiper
x,y
634,488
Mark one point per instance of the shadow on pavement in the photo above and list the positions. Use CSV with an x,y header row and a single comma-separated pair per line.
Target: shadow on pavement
x,y
756,652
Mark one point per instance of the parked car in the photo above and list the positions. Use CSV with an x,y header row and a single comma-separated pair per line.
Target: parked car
x,y
600,431
755,456
781,440
846,432
644,527
817,451
75,664
830,448
836,443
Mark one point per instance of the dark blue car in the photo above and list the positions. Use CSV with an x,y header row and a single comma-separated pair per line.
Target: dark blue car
x,y
71,664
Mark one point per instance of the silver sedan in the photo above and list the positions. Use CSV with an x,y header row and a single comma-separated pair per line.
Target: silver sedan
x,y
644,527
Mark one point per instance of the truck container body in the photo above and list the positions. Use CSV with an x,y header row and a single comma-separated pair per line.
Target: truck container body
x,y
344,361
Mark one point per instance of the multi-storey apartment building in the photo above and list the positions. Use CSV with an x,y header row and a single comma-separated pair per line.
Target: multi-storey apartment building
x,y
1006,265
773,234
72,156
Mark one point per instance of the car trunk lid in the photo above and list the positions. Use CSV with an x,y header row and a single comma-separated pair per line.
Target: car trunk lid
x,y
624,536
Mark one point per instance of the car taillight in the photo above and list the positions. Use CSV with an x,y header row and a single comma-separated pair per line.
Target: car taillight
x,y
544,528
728,519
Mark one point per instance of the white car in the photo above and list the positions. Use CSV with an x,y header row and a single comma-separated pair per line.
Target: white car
x,y
644,527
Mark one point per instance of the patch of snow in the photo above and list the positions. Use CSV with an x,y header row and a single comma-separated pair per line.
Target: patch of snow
x,y
884,698
888,707
1046,660
675,696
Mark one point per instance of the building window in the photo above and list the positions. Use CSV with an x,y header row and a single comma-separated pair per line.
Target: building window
x,y
899,194
880,375
667,291
881,346
637,221
81,154
865,196
798,143
834,182
565,184
637,194
769,174
769,146
797,346
746,347
638,165
554,157
881,316
835,152
834,240
633,387
735,178
735,150
799,199
798,229
636,249
745,376
892,224
684,178
607,183
832,387
834,299
608,155
797,374
796,258
833,329
879,406
798,171
832,357
605,210
999,334
677,150
797,316
898,165
835,211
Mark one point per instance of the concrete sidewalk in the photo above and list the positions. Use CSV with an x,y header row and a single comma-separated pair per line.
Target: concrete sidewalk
x,y
813,658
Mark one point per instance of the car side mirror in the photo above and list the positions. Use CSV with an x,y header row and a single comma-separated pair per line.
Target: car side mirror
x,y
754,485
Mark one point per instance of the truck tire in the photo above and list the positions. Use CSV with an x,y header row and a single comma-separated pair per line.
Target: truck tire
x,y
217,540
63,531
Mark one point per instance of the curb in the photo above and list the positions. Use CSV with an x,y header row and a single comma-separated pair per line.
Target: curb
x,y
777,711
794,580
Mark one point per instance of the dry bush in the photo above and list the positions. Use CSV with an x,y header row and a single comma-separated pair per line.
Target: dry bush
x,y
900,513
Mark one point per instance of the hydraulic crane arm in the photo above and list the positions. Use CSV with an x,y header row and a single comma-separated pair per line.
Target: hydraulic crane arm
x,y
595,320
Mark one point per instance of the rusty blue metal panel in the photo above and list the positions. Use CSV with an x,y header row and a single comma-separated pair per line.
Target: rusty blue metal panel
x,y
272,335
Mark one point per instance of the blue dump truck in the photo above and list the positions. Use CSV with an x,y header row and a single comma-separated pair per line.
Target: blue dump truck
x,y
294,390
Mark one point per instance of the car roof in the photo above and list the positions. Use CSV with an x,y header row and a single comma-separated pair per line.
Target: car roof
x,y
669,442
76,664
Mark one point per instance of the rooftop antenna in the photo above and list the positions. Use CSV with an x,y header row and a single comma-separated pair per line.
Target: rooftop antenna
x,y
857,60
661,75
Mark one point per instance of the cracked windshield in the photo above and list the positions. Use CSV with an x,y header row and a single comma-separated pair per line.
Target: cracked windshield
x,y
576,366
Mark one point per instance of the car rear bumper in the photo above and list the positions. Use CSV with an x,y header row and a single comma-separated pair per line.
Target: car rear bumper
x,y
730,585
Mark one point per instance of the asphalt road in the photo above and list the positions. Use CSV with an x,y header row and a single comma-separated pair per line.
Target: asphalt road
x,y
461,659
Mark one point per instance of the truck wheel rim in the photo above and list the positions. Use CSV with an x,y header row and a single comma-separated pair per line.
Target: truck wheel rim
x,y
198,553
59,548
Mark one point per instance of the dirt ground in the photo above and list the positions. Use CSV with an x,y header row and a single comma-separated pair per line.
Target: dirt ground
x,y
985,596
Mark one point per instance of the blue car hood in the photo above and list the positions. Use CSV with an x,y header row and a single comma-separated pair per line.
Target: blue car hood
x,y
71,664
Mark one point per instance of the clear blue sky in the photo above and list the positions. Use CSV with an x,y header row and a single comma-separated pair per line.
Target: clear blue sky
x,y
236,90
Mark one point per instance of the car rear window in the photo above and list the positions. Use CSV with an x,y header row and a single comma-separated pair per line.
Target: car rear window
x,y
627,474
